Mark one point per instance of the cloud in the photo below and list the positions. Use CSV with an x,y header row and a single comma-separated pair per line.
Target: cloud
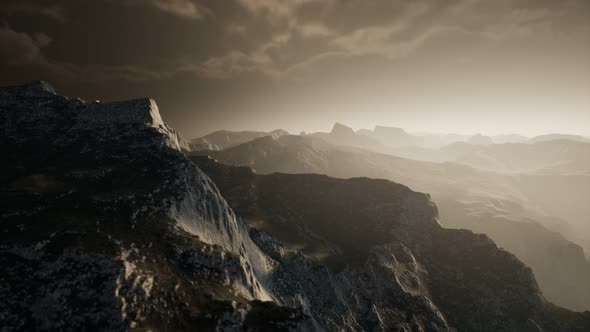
x,y
17,48
104,73
183,8
279,38
231,64
52,9
42,39
190,9
313,30
279,7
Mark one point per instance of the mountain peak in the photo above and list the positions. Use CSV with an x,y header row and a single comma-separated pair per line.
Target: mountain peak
x,y
341,130
278,133
85,116
141,111
480,139
389,130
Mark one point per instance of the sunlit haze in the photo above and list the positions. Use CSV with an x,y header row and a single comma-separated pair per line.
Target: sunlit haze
x,y
462,66
295,165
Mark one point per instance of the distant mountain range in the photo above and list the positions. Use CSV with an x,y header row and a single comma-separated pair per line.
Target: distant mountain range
x,y
544,157
392,140
519,211
348,225
109,224
224,139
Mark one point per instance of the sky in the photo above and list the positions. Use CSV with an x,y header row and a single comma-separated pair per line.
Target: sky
x,y
461,66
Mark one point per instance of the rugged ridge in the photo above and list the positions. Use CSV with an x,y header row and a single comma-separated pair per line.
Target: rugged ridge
x,y
506,207
377,237
107,225
101,204
224,139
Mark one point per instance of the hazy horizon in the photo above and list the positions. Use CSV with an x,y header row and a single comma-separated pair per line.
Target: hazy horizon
x,y
461,66
326,128
123,214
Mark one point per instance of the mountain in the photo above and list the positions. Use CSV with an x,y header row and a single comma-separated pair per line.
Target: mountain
x,y
224,139
395,137
108,225
509,138
343,135
555,137
516,211
545,157
480,139
376,232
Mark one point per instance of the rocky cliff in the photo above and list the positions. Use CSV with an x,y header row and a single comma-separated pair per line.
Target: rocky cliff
x,y
379,248
107,225
507,207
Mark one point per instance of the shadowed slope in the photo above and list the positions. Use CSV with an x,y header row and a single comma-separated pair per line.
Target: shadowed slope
x,y
475,285
504,206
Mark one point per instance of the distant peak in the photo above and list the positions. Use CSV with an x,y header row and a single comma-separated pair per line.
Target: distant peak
x,y
279,132
384,129
480,139
340,129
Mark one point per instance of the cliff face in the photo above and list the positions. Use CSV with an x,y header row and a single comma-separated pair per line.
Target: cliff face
x,y
379,248
106,224
508,208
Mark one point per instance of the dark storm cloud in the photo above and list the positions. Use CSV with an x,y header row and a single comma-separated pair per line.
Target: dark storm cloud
x,y
183,8
263,56
49,8
21,48
273,37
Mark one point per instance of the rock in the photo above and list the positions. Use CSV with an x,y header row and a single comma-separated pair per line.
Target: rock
x,y
107,225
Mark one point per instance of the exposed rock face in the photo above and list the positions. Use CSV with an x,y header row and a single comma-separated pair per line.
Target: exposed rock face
x,y
379,249
107,225
502,206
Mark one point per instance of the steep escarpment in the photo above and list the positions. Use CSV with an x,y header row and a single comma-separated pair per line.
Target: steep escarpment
x,y
378,247
517,211
106,225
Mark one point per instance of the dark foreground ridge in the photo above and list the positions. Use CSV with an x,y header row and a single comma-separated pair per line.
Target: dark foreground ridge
x,y
107,225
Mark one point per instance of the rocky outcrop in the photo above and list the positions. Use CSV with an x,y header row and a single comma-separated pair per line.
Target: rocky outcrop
x,y
513,209
378,253
107,225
